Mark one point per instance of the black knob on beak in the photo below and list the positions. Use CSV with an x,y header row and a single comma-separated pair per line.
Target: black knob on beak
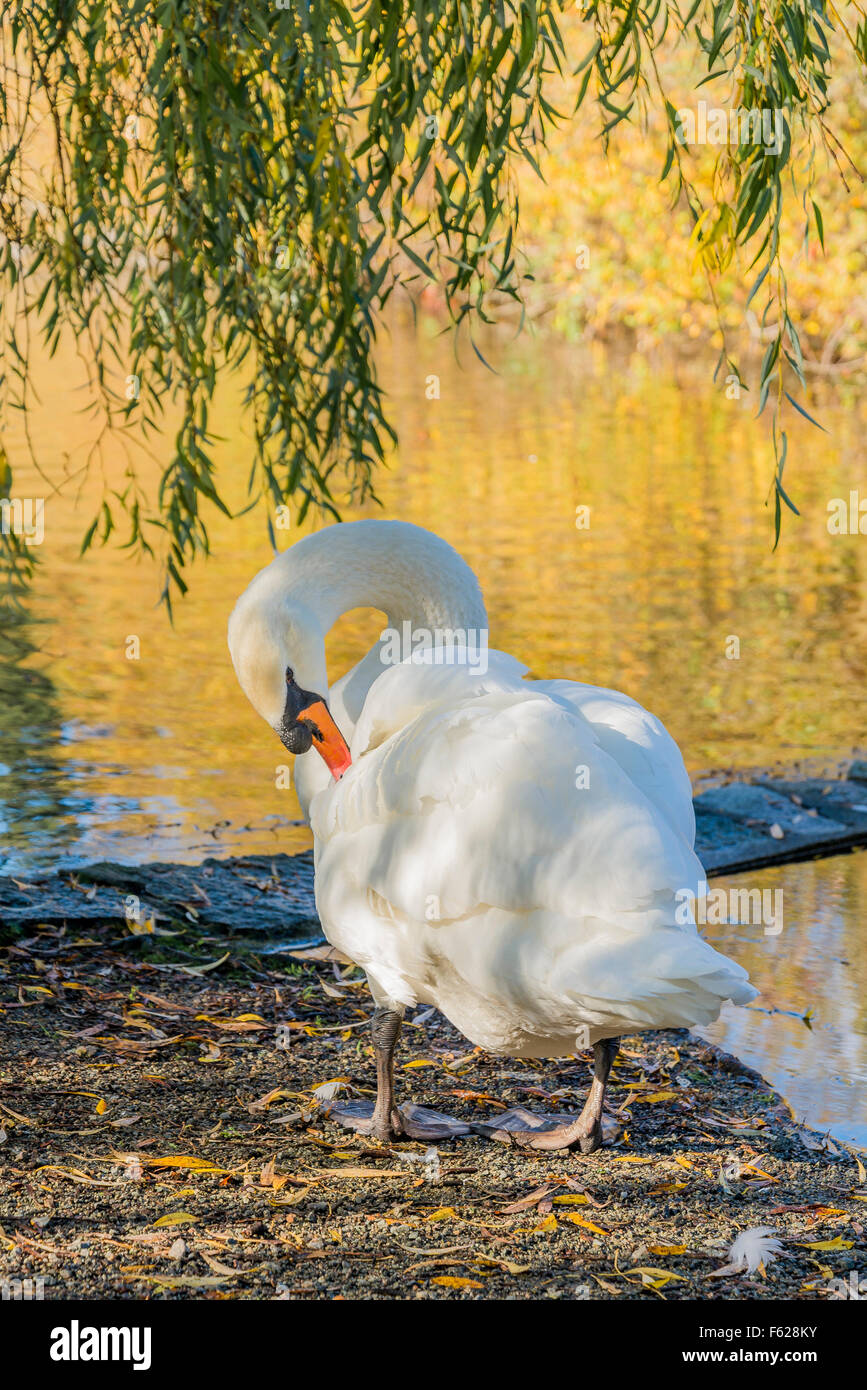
x,y
298,737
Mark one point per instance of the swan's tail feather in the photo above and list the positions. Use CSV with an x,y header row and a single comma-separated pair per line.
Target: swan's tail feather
x,y
666,979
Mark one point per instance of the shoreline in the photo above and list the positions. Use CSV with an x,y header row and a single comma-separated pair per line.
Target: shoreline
x,y
740,826
158,1141
161,1143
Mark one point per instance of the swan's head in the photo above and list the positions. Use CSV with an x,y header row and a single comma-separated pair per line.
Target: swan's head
x,y
279,658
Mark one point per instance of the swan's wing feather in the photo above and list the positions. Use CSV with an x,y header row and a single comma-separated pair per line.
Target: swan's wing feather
x,y
460,846
474,801
640,743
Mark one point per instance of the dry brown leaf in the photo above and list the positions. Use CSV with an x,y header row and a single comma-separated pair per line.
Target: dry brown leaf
x,y
364,1172
531,1200
75,1175
183,1281
219,1268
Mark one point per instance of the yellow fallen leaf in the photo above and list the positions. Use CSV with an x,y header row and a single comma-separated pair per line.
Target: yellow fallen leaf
x,y
443,1214
452,1281
587,1225
667,1187
548,1223
176,1218
684,1163
656,1277
407,1066
349,1172
666,1249
632,1158
838,1243
201,1165
759,1172
657,1096
578,1200
506,1265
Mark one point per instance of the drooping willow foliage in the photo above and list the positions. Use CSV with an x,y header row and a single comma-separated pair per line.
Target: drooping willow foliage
x,y
195,188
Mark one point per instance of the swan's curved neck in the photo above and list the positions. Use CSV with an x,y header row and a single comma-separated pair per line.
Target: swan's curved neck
x,y
282,618
408,573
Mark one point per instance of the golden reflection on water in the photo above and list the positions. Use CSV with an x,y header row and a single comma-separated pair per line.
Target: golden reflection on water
x,y
163,758
816,967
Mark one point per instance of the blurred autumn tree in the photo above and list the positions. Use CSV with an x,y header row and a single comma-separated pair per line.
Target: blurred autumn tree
x,y
241,186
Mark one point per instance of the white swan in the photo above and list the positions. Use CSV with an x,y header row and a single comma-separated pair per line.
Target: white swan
x,y
509,851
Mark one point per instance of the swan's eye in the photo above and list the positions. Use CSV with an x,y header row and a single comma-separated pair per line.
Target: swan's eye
x,y
290,675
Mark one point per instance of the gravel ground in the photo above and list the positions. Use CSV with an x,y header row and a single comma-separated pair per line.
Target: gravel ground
x,y
160,1138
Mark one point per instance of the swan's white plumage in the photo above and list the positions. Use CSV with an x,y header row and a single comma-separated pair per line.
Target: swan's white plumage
x,y
463,864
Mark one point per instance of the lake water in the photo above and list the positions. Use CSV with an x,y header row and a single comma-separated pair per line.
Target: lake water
x,y
162,757
815,969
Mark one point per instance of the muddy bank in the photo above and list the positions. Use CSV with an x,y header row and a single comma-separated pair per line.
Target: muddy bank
x,y
739,826
161,1139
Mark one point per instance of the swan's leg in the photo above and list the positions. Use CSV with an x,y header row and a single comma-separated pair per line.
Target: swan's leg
x,y
584,1132
381,1121
385,1122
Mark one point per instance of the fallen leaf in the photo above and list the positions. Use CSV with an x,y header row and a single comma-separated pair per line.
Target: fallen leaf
x,y
838,1243
443,1214
586,1225
183,1281
365,1172
656,1096
176,1218
219,1268
549,1224
200,1165
655,1278
531,1200
505,1265
452,1281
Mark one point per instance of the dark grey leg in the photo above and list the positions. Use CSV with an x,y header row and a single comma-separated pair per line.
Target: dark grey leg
x,y
385,1031
384,1121
585,1131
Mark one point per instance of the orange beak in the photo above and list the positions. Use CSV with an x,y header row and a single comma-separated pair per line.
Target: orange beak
x,y
327,738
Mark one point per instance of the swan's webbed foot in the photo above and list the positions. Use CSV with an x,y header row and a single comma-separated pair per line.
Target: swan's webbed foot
x,y
404,1122
584,1132
385,1121
361,1116
581,1134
